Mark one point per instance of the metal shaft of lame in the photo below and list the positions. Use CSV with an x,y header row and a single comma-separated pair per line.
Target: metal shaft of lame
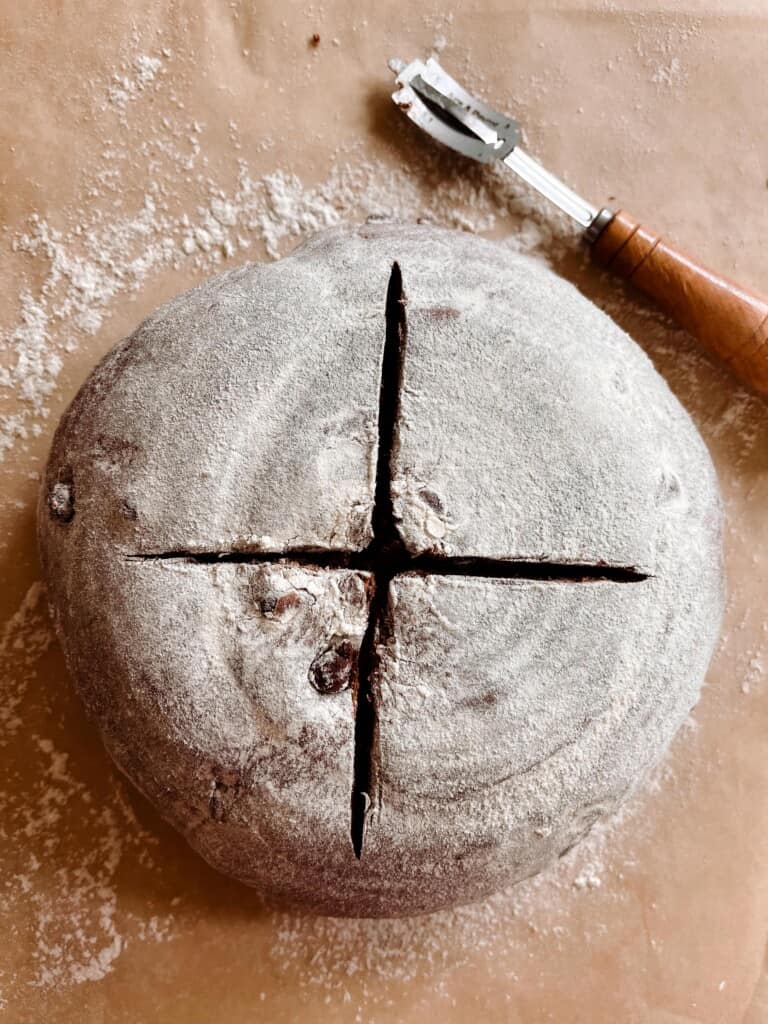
x,y
552,188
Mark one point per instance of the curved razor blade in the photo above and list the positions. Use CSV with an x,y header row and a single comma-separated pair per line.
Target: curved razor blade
x,y
437,103
439,106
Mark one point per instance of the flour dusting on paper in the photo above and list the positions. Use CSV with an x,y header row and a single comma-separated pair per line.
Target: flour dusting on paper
x,y
69,891
327,952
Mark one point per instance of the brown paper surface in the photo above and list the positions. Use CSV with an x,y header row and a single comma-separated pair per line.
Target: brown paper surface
x,y
144,146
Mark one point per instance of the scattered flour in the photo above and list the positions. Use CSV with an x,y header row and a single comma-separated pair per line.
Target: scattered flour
x,y
329,952
668,74
663,51
24,638
127,86
67,889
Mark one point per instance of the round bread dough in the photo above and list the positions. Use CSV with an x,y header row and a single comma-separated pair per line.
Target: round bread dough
x,y
385,570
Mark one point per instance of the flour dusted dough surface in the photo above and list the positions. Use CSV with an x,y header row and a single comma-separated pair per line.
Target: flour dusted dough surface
x,y
242,417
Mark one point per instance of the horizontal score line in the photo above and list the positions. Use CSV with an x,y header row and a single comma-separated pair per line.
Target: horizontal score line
x,y
434,565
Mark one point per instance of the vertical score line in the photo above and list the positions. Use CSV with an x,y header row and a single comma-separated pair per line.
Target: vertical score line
x,y
387,555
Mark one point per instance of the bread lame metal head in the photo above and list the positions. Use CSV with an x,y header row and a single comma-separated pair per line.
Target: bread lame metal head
x,y
443,109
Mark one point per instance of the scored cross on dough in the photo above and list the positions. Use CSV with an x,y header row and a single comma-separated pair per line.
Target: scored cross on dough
x,y
387,557
515,442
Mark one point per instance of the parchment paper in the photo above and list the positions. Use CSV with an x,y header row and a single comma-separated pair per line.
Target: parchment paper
x,y
108,110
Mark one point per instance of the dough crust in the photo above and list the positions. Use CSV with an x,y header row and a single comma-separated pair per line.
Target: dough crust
x,y
549,625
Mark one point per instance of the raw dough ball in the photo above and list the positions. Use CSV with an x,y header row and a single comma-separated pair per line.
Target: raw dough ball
x,y
384,570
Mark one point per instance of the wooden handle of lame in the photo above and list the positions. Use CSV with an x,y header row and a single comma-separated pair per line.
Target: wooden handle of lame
x,y
730,321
